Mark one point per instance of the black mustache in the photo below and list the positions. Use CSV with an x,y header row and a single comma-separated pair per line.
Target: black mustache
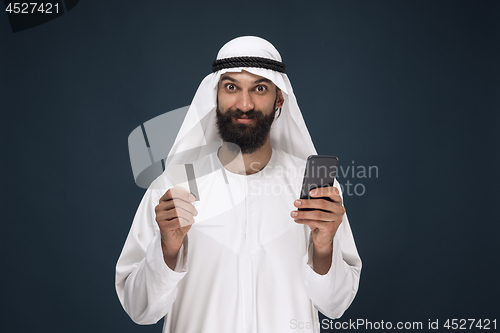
x,y
248,114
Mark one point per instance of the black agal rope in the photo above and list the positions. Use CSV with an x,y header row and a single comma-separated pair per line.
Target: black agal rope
x,y
248,62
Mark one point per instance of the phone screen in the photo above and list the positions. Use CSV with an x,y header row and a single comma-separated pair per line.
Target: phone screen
x,y
320,172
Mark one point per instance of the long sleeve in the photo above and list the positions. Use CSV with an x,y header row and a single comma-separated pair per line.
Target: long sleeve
x,y
145,285
333,292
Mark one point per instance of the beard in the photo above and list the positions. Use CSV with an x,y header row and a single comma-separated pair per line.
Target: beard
x,y
247,137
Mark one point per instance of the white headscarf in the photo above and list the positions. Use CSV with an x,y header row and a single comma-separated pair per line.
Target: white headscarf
x,y
199,136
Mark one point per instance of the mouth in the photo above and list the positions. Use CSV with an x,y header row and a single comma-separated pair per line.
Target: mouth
x,y
244,120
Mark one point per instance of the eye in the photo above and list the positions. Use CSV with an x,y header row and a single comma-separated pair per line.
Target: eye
x,y
260,88
230,87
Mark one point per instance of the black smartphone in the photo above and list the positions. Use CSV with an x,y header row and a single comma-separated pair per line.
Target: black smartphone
x,y
320,172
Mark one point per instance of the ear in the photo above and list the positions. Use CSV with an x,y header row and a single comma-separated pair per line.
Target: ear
x,y
279,98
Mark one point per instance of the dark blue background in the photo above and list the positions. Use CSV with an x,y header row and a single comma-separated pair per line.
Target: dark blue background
x,y
409,86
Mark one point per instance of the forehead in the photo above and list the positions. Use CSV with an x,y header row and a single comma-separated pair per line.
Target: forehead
x,y
244,77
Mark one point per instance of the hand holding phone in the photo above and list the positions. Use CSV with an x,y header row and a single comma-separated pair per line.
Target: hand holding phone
x,y
322,216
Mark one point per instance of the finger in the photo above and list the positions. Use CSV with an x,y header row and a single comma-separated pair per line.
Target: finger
x,y
180,213
166,215
164,206
179,203
175,223
312,224
322,227
322,204
177,193
315,215
328,191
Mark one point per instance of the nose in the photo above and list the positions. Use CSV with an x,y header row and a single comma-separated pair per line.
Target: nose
x,y
244,102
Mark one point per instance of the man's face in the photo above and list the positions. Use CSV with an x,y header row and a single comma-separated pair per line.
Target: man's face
x,y
246,105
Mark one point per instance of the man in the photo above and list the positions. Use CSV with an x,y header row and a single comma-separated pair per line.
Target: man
x,y
241,258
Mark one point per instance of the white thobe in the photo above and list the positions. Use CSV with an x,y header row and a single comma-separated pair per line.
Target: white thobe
x,y
245,265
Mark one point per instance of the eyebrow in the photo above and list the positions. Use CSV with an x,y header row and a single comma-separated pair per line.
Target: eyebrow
x,y
261,80
227,77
